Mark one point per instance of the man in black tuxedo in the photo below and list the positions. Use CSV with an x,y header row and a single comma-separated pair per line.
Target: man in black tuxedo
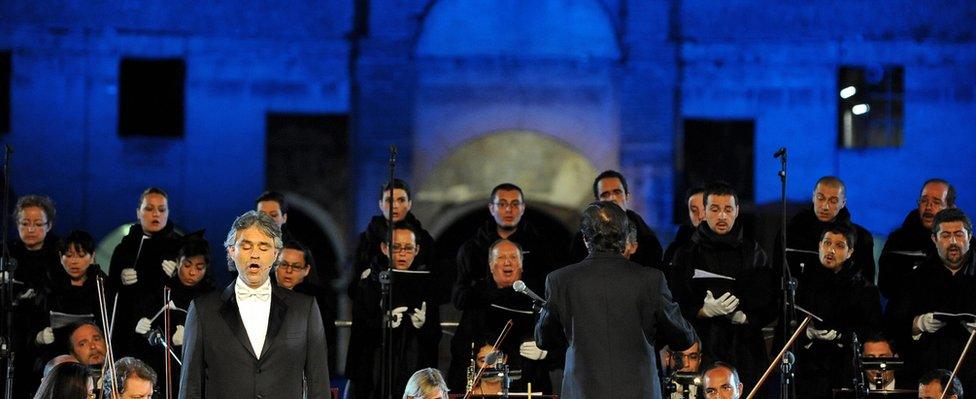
x,y
254,339
609,313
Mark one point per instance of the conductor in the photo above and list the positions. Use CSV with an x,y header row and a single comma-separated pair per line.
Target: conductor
x,y
609,313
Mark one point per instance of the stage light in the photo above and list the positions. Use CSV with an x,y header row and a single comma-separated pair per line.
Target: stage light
x,y
847,92
860,109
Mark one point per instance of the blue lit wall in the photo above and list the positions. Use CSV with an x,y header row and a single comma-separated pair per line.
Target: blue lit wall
x,y
654,63
242,61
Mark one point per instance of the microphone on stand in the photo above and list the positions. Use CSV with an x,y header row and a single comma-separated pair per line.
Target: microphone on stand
x,y
519,286
780,152
156,338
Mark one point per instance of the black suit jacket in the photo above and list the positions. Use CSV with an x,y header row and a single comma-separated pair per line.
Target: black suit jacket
x,y
611,313
218,361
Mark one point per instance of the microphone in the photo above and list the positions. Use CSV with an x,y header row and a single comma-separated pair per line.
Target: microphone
x,y
520,287
780,152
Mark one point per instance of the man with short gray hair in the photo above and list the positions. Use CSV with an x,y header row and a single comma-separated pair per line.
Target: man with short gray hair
x,y
254,339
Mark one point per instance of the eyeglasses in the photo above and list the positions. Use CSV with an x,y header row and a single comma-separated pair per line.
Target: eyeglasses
x,y
27,224
291,267
506,204
397,248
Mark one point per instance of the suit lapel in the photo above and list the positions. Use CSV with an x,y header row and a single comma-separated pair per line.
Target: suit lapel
x,y
276,318
232,316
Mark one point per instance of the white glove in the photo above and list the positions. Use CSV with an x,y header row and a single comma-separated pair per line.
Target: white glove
x,y
722,306
143,326
739,317
822,335
928,323
365,273
969,326
531,351
169,267
129,276
397,316
419,316
178,336
45,337
29,294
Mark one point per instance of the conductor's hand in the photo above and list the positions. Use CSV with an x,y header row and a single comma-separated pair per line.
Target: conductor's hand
x,y
143,326
129,276
419,315
396,316
928,323
531,351
720,306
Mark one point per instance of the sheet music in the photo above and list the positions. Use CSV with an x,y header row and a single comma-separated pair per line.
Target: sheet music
x,y
699,273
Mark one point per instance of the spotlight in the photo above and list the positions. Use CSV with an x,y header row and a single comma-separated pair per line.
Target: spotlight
x,y
860,109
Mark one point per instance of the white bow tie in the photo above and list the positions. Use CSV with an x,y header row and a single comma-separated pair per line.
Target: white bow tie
x,y
245,293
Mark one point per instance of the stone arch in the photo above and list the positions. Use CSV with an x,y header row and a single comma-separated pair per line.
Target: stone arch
x,y
581,29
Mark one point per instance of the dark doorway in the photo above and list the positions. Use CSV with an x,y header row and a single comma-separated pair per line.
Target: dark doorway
x,y
309,155
716,150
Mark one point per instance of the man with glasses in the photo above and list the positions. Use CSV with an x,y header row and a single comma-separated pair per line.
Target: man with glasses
x,y
415,319
910,244
686,363
292,273
507,206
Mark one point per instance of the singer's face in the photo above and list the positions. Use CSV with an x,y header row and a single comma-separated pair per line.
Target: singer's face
x,y
834,251
828,201
153,213
405,248
253,254
401,204
720,213
952,243
932,200
273,209
612,189
33,225
507,208
292,270
192,270
76,261
88,345
506,264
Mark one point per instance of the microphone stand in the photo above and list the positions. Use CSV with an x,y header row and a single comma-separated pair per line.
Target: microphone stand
x,y
787,287
7,268
860,386
386,293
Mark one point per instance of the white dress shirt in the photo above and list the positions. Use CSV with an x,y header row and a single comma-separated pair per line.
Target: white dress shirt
x,y
254,306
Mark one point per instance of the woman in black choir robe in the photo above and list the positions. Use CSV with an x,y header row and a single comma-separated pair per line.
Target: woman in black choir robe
x,y
836,291
36,254
72,291
136,272
191,279
416,321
